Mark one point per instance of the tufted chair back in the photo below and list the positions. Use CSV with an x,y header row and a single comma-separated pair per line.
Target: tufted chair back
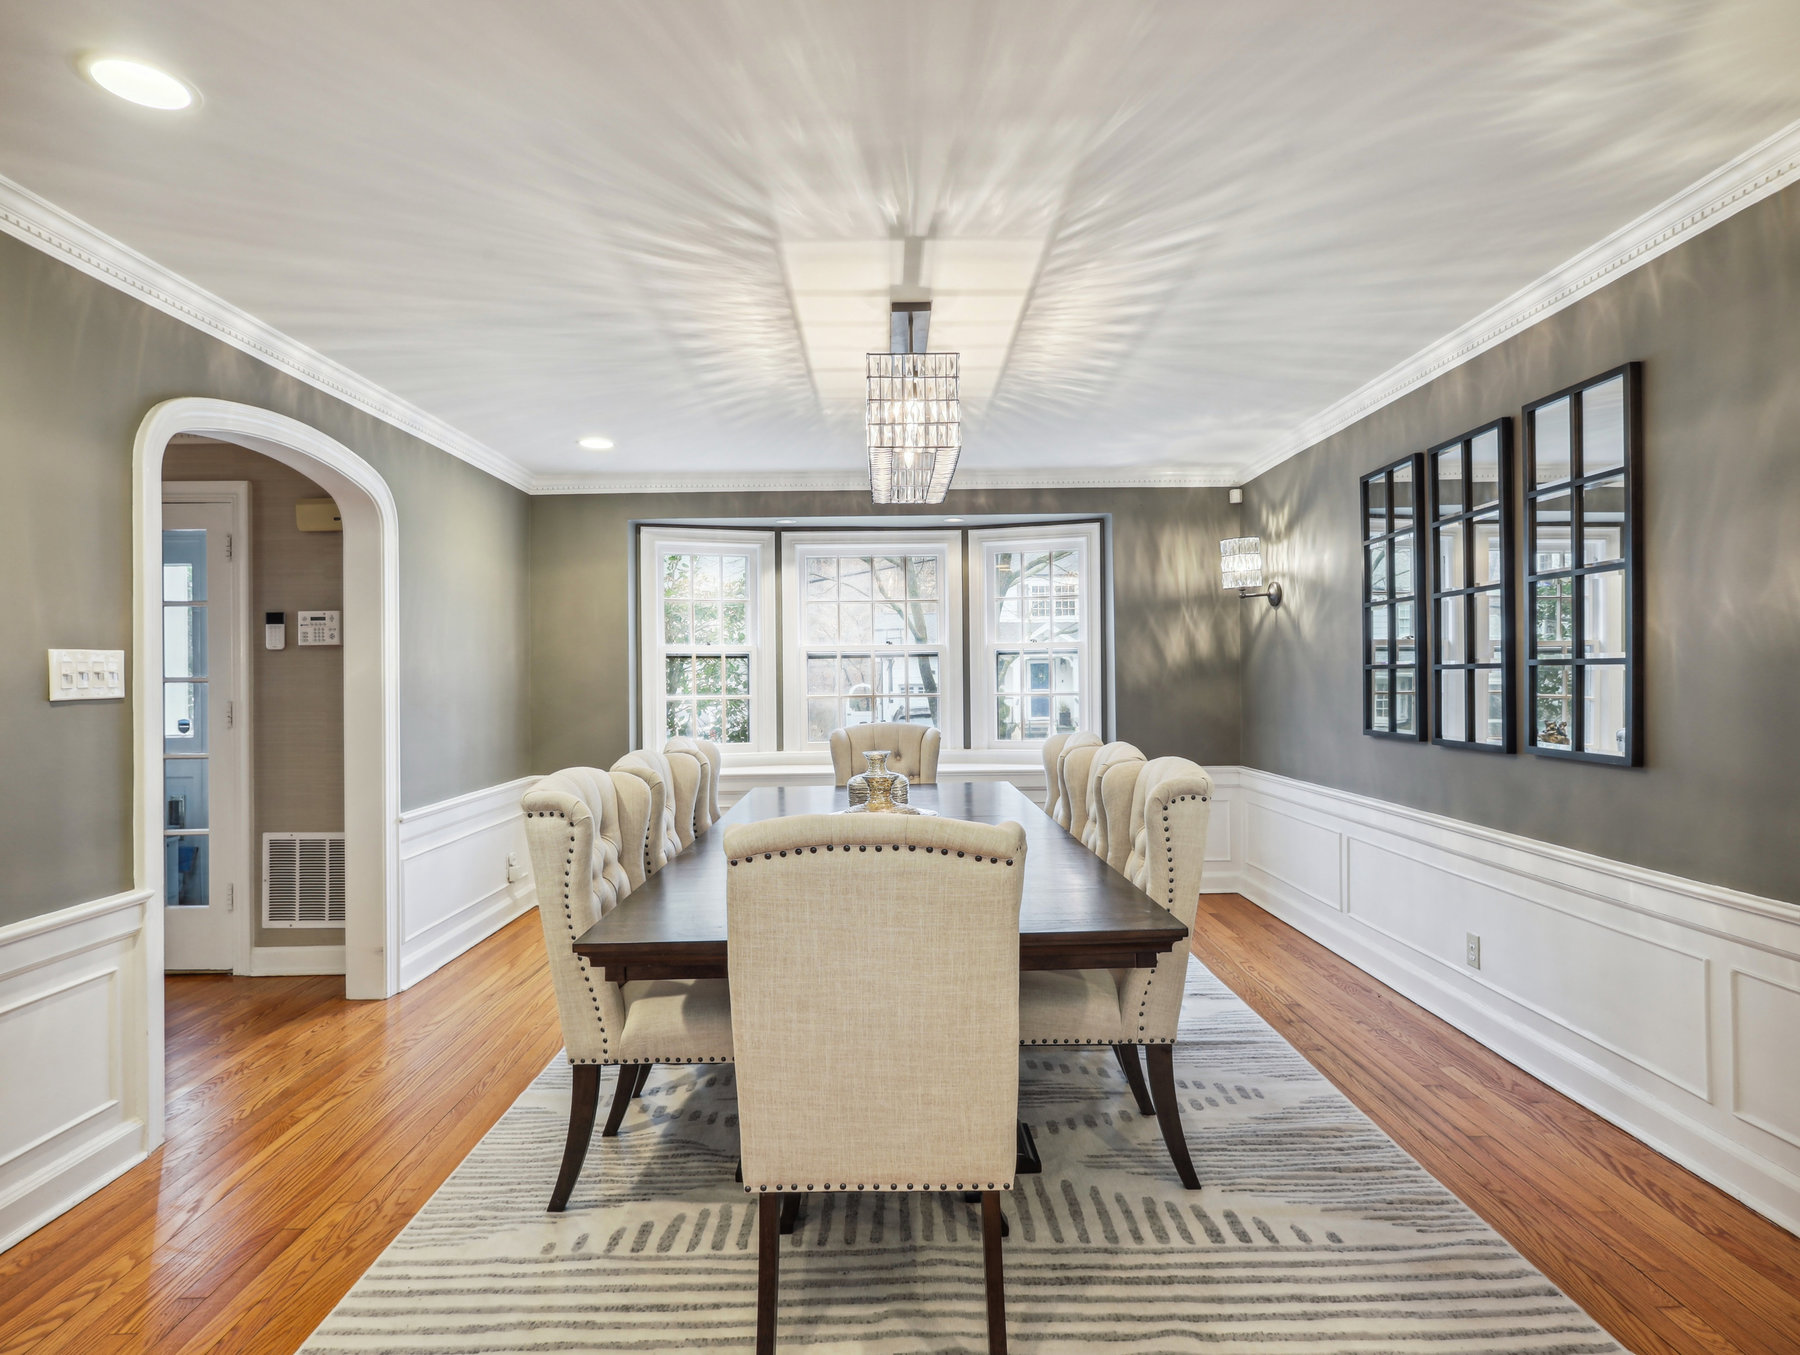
x,y
1053,747
572,827
711,750
1108,756
1071,781
1170,808
1118,788
653,769
636,798
689,768
915,750
706,753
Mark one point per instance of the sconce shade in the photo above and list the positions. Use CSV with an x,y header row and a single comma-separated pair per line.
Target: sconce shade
x,y
1241,562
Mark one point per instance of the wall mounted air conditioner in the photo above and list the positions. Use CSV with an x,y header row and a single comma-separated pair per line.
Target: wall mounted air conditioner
x,y
303,879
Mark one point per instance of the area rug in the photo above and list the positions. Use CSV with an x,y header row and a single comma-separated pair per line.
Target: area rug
x,y
1314,1231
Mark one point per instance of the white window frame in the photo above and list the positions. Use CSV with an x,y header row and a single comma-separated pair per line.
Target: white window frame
x,y
795,546
653,544
1083,537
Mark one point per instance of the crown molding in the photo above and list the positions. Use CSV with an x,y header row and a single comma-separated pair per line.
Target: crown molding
x,y
792,482
1764,169
43,225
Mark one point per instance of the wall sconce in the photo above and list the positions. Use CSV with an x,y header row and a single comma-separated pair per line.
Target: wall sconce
x,y
1241,567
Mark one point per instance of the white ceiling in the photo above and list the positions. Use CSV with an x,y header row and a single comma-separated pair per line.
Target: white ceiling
x,y
1163,235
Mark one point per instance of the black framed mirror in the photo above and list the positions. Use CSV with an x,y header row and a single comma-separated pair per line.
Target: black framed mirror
x,y
1584,570
1393,698
1472,599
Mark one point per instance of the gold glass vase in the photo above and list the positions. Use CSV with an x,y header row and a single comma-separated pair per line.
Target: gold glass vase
x,y
879,790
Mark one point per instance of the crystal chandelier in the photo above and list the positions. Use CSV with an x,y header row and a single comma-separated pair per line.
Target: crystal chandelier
x,y
915,413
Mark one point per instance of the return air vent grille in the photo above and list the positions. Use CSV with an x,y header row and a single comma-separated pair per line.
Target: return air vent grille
x,y
303,879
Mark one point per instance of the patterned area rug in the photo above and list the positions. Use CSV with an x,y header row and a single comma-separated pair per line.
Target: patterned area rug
x,y
1314,1232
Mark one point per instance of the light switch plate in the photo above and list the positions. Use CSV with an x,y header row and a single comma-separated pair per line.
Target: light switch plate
x,y
87,675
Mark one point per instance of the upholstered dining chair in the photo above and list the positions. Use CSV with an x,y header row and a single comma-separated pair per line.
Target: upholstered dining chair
x,y
652,769
688,769
1052,751
925,962
1106,758
1171,803
578,852
706,804
914,749
1071,781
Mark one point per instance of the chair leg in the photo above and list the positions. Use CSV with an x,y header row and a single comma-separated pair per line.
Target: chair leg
x,y
582,1106
1161,1058
1127,1056
768,1263
642,1077
790,1210
622,1094
991,1223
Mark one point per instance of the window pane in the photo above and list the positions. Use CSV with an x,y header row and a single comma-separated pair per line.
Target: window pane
x,y
1550,704
737,721
891,708
1484,469
1066,678
821,676
706,576
922,622
1448,466
1603,615
680,719
184,717
1450,555
184,792
1486,635
1452,639
679,673
1490,706
925,710
1007,724
1603,709
890,577
1008,672
1007,567
1037,717
1488,545
856,623
859,710
184,642
677,575
1378,634
821,577
890,623
1603,521
1009,621
1403,566
185,871
890,670
734,624
1453,705
1040,629
1401,478
1378,570
821,719
1550,517
1603,426
1406,710
922,576
1551,442
184,564
709,677
709,719
737,576
1068,714
1038,563
1378,497
854,579
1037,675
1380,707
1553,617
923,675
675,623
737,674
821,623
706,623
1405,637
857,671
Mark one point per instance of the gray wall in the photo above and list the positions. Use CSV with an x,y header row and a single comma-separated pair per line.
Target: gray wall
x,y
1716,323
297,692
1176,652
80,365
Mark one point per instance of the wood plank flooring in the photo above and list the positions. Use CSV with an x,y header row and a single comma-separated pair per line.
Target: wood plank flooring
x,y
305,1130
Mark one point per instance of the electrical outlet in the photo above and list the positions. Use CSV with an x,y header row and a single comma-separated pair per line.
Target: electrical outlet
x,y
1472,951
513,873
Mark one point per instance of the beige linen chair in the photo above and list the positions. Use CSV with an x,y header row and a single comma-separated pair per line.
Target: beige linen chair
x,y
662,842
1071,781
852,937
706,808
689,769
1053,747
1170,804
914,749
572,825
1109,756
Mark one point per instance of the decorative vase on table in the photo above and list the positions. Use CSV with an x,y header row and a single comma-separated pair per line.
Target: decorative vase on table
x,y
878,789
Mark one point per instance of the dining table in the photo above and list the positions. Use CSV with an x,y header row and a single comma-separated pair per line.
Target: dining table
x,y
1076,912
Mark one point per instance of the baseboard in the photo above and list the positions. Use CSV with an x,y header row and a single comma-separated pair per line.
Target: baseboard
x,y
1664,1005
284,961
465,872
74,1015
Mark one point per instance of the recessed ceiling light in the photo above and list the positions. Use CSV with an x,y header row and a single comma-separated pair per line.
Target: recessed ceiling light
x,y
596,443
139,83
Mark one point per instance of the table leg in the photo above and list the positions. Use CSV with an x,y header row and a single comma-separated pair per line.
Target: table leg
x,y
1029,1163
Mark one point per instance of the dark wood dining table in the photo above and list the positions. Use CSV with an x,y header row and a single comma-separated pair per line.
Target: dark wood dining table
x,y
1077,912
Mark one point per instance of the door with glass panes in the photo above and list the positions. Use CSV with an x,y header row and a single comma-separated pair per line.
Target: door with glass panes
x,y
204,841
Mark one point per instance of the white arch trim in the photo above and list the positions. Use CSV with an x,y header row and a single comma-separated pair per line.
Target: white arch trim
x,y
371,635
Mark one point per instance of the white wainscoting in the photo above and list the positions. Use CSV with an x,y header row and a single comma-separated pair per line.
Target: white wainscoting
x,y
1670,1007
73,999
454,886
286,961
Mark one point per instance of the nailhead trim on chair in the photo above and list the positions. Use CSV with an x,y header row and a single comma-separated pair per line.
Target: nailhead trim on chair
x,y
770,856
587,971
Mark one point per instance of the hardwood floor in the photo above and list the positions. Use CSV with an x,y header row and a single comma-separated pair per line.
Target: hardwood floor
x,y
305,1130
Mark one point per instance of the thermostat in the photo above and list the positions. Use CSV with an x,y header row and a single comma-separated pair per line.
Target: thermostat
x,y
317,628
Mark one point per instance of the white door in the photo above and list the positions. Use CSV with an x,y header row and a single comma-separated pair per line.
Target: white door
x,y
205,828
